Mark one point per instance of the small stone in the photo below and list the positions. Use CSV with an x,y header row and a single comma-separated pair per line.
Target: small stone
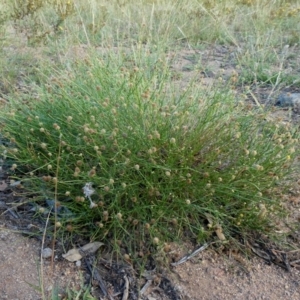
x,y
49,288
46,252
78,263
288,100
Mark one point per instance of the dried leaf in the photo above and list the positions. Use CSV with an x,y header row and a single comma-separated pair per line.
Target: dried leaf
x,y
91,247
72,255
76,254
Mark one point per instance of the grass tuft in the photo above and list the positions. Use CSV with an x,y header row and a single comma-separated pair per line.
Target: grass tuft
x,y
130,157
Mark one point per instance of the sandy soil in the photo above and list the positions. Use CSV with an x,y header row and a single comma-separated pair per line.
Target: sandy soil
x,y
207,276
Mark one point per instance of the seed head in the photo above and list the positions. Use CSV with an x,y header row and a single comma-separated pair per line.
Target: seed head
x,y
135,222
92,172
292,150
156,134
100,225
174,221
172,140
56,127
70,228
156,240
259,167
237,135
58,225
137,167
167,248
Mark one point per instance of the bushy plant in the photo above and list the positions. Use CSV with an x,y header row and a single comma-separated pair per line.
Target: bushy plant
x,y
129,156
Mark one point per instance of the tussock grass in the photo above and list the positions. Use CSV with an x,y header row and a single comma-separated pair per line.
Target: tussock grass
x,y
97,123
157,163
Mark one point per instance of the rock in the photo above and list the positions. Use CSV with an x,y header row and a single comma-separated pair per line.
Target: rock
x,y
46,252
78,263
288,100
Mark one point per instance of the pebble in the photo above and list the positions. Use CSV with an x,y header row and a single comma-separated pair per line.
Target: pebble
x,y
78,263
46,252
288,99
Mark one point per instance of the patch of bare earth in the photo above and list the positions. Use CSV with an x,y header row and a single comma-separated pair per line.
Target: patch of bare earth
x,y
211,276
206,276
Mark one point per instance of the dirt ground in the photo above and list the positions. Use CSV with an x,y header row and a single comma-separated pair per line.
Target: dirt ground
x,y
208,275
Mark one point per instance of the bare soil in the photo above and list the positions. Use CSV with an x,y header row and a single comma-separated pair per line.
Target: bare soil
x,y
208,276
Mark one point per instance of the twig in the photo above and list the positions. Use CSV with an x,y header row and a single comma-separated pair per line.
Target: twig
x,y
126,290
145,287
96,275
286,262
189,256
43,242
255,99
55,202
294,262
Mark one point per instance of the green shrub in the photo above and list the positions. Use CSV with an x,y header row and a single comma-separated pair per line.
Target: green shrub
x,y
163,162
